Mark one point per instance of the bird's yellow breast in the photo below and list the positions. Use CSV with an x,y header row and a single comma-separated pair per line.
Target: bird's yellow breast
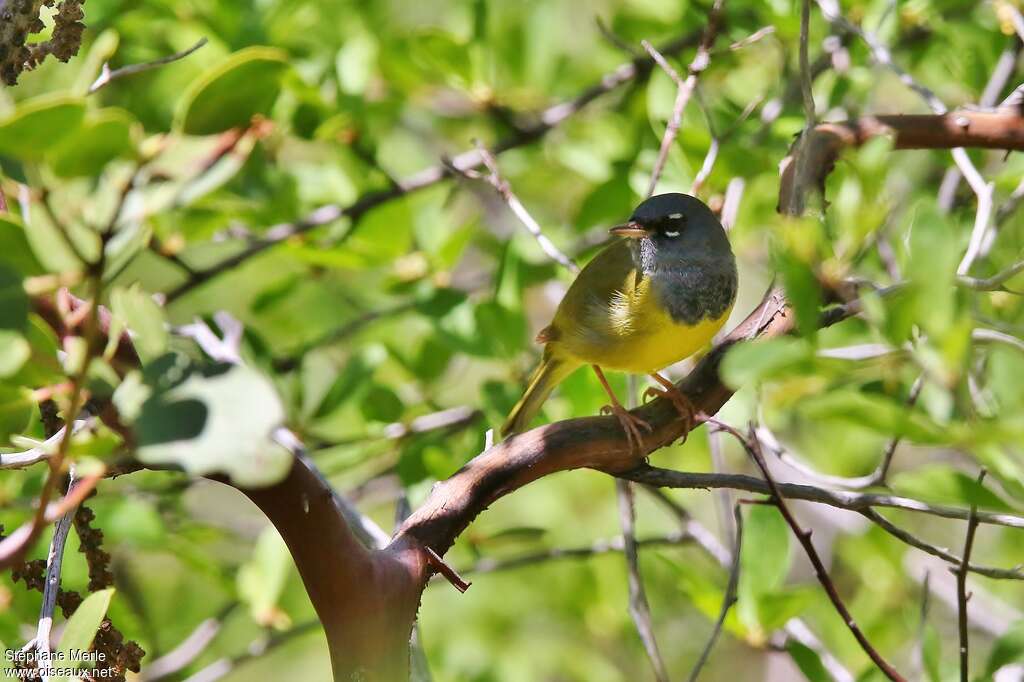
x,y
630,332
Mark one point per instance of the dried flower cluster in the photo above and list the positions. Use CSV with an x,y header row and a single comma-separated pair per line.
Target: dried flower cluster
x,y
20,18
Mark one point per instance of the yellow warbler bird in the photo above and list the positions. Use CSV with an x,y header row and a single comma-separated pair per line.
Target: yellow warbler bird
x,y
645,302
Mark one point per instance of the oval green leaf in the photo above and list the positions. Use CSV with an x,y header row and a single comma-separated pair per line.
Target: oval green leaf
x,y
15,249
82,627
108,135
38,125
229,94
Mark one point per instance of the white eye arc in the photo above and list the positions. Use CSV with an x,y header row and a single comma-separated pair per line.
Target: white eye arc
x,y
675,216
673,233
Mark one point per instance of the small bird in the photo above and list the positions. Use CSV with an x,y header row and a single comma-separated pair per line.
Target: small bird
x,y
643,303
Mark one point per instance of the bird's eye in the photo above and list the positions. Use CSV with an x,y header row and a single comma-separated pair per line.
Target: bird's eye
x,y
675,216
671,233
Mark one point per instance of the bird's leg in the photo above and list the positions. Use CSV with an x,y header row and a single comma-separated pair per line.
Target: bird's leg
x,y
631,424
683,405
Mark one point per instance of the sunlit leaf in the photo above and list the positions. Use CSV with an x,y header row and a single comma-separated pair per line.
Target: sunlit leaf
x,y
229,94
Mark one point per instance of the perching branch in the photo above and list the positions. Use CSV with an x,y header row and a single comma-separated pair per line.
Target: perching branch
x,y
1002,129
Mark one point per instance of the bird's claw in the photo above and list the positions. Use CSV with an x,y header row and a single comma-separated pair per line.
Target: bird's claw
x,y
631,424
686,409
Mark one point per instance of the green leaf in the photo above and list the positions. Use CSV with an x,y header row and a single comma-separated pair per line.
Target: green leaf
x,y
348,383
802,291
216,418
16,409
878,413
103,137
756,360
229,94
15,249
82,626
13,300
1009,648
144,318
381,404
931,653
942,484
14,351
764,562
38,125
261,580
809,662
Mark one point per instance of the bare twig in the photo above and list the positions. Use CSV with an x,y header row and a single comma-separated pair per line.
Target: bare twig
x,y
962,596
504,189
840,499
805,65
1004,68
190,648
54,562
596,548
794,628
639,609
728,600
107,76
256,649
1015,573
993,283
20,460
752,446
684,88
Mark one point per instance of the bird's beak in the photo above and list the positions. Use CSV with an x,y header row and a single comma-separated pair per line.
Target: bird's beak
x,y
632,229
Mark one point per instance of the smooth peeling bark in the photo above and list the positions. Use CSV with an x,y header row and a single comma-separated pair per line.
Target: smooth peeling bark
x,y
366,599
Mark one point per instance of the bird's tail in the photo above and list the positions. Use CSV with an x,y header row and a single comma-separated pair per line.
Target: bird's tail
x,y
549,373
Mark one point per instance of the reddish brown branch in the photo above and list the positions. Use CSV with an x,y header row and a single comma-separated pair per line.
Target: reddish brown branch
x,y
1002,129
366,599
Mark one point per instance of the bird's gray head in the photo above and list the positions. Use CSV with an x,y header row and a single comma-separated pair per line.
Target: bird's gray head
x,y
674,228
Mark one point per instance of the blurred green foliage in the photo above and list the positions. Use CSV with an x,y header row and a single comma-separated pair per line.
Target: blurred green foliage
x,y
429,301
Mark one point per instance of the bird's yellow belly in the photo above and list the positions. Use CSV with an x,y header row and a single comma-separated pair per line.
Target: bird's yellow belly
x,y
648,347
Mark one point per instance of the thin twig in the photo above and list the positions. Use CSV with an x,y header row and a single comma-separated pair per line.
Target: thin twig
x,y
730,595
504,189
256,649
190,648
794,628
639,609
107,76
25,458
54,562
993,283
840,499
805,65
596,548
962,596
684,88
1015,573
753,448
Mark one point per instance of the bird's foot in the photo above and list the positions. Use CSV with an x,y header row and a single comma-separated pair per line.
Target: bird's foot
x,y
684,406
631,424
